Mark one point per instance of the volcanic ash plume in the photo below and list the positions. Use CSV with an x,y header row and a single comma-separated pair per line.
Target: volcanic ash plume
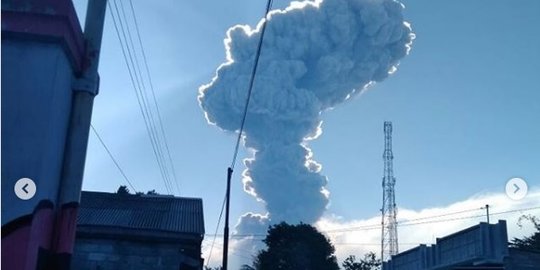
x,y
315,55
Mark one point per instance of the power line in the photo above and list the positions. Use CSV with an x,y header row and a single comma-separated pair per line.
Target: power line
x,y
144,94
154,96
131,75
215,234
407,223
259,237
471,217
142,91
230,170
136,86
410,223
251,83
113,159
236,252
371,244
447,214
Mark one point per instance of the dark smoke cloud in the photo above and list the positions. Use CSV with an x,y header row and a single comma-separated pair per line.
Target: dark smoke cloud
x,y
315,55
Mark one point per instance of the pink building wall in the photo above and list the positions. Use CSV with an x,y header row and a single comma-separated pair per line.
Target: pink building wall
x,y
44,55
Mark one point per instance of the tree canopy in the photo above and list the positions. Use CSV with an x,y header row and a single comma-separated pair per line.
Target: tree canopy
x,y
369,262
528,242
296,247
122,190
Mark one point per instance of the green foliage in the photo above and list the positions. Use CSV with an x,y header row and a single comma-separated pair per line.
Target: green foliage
x,y
296,247
122,190
153,192
528,242
369,262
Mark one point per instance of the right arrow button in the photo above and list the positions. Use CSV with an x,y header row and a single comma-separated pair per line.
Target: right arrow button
x,y
516,188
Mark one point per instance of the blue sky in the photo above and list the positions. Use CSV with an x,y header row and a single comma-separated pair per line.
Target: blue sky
x,y
465,106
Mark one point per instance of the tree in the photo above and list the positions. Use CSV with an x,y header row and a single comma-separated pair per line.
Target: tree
x,y
154,192
528,242
122,190
296,247
369,262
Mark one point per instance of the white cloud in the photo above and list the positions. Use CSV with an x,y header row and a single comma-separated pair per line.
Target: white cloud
x,y
241,251
356,237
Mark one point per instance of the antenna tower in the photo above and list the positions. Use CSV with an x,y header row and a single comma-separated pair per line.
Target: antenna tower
x,y
389,237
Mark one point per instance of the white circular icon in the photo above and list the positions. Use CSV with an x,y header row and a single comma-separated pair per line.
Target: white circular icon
x,y
25,188
516,189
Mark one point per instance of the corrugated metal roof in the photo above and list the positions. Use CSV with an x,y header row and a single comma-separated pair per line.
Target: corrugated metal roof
x,y
164,213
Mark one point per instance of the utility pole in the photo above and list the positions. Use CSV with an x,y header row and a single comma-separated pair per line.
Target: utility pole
x,y
389,237
487,212
85,88
230,169
226,229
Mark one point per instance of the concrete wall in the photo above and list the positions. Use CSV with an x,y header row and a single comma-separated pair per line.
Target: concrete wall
x,y
109,254
483,244
43,54
36,105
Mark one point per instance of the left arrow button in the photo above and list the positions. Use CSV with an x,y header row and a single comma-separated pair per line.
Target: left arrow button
x,y
25,189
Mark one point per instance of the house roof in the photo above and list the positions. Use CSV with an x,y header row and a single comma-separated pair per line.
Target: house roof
x,y
158,213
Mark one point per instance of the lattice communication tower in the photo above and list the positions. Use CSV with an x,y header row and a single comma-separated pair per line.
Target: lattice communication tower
x,y
389,237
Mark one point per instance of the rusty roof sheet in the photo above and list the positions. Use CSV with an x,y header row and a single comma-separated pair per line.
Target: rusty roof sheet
x,y
162,213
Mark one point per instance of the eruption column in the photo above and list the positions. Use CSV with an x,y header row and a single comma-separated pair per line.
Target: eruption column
x,y
315,56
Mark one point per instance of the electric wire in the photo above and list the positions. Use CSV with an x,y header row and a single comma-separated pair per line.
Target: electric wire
x,y
377,226
372,244
142,92
447,214
470,217
133,83
160,122
230,170
135,86
259,237
251,83
149,111
236,252
407,223
215,234
113,159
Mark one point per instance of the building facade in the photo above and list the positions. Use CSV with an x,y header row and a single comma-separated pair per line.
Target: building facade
x,y
481,247
124,231
49,80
